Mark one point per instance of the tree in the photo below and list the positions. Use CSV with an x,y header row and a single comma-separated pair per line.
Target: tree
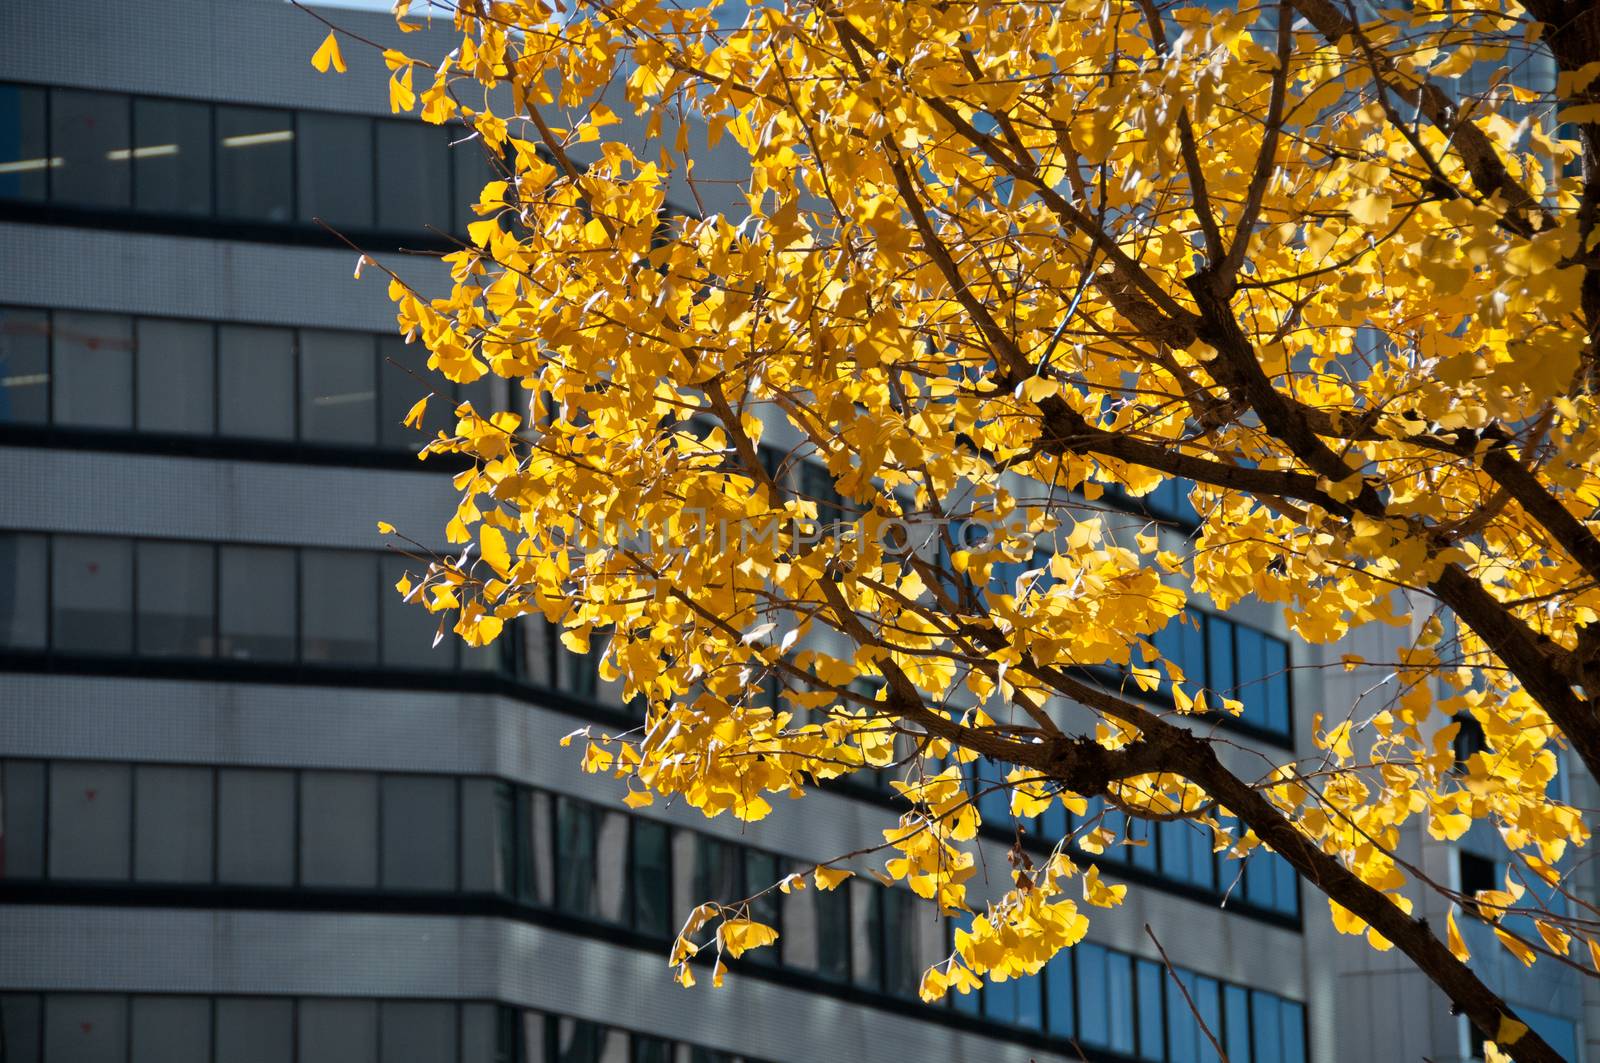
x,y
984,263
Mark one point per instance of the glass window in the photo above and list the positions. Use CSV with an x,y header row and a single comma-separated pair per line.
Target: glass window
x,y
338,393
339,606
338,1031
255,375
651,1050
1236,1023
577,1041
577,842
1151,980
419,832
414,161
258,603
716,871
92,385
1219,657
24,357
172,157
408,628
177,605
85,1028
254,1030
176,384
418,1032
255,152
1292,1022
1275,695
89,134
1186,1043
21,819
404,377
1250,653
92,596
173,824
488,837
255,826
170,1029
338,828
23,572
902,974
1208,1003
335,159
24,165
652,878
1105,998
20,1022
1266,1033
832,909
474,168
1058,989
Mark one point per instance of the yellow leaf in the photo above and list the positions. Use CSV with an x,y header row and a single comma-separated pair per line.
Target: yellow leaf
x,y
413,418
639,798
1516,947
1510,1031
385,528
328,53
829,877
1458,947
493,545
1371,209
401,96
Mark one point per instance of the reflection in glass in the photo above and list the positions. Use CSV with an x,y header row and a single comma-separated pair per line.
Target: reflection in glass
x,y
24,160
171,157
255,152
339,606
92,594
24,366
176,376
89,134
22,591
93,381
335,161
255,374
257,621
176,599
415,189
338,394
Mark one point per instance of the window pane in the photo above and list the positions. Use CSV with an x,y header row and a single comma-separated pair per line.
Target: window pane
x,y
419,841
1058,986
1275,662
338,394
418,1032
577,831
338,828
1292,1021
172,157
473,169
335,157
716,870
93,595
833,932
1119,1001
1208,1004
255,373
488,837
173,822
255,826
339,1031
176,377
408,628
404,377
1183,1033
23,572
1151,978
85,1028
20,1022
1093,1009
902,974
89,134
1219,657
170,1030
255,148
257,621
414,176
93,375
255,1031
339,606
24,359
652,878
21,819
176,599
1236,1023
24,166
1266,1035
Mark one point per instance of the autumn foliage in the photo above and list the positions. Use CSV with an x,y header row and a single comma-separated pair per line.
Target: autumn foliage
x,y
982,263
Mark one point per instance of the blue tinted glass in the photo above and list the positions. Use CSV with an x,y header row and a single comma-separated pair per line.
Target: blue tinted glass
x,y
1150,977
1252,691
1052,825
1236,1024
1202,868
1293,1025
1208,1003
1119,1001
1286,889
1143,855
1000,1001
1058,987
1219,656
1093,1005
1174,846
1260,884
966,1003
1193,657
1185,510
1030,1003
25,163
1183,1033
1276,662
1266,1030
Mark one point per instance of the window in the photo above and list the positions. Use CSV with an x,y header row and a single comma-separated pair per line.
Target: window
x,y
1151,979
832,910
255,376
651,868
25,162
417,1032
177,599
338,829
255,149
172,157
92,382
24,356
761,873
472,170
577,841
20,1027
338,392
258,603
254,1030
176,377
1058,982
169,1029
409,629
1105,998
339,606
1235,1031
419,832
404,377
1186,1041
716,871
415,190
255,827
23,571
1185,852
173,824
488,837
85,1028
338,1031
1476,873
335,160
22,826
92,597
89,134
902,973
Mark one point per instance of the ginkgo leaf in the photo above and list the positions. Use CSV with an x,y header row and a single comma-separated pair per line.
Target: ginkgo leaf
x,y
414,415
1458,946
829,877
328,53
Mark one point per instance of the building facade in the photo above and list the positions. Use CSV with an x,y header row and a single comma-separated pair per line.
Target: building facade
x,y
249,814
